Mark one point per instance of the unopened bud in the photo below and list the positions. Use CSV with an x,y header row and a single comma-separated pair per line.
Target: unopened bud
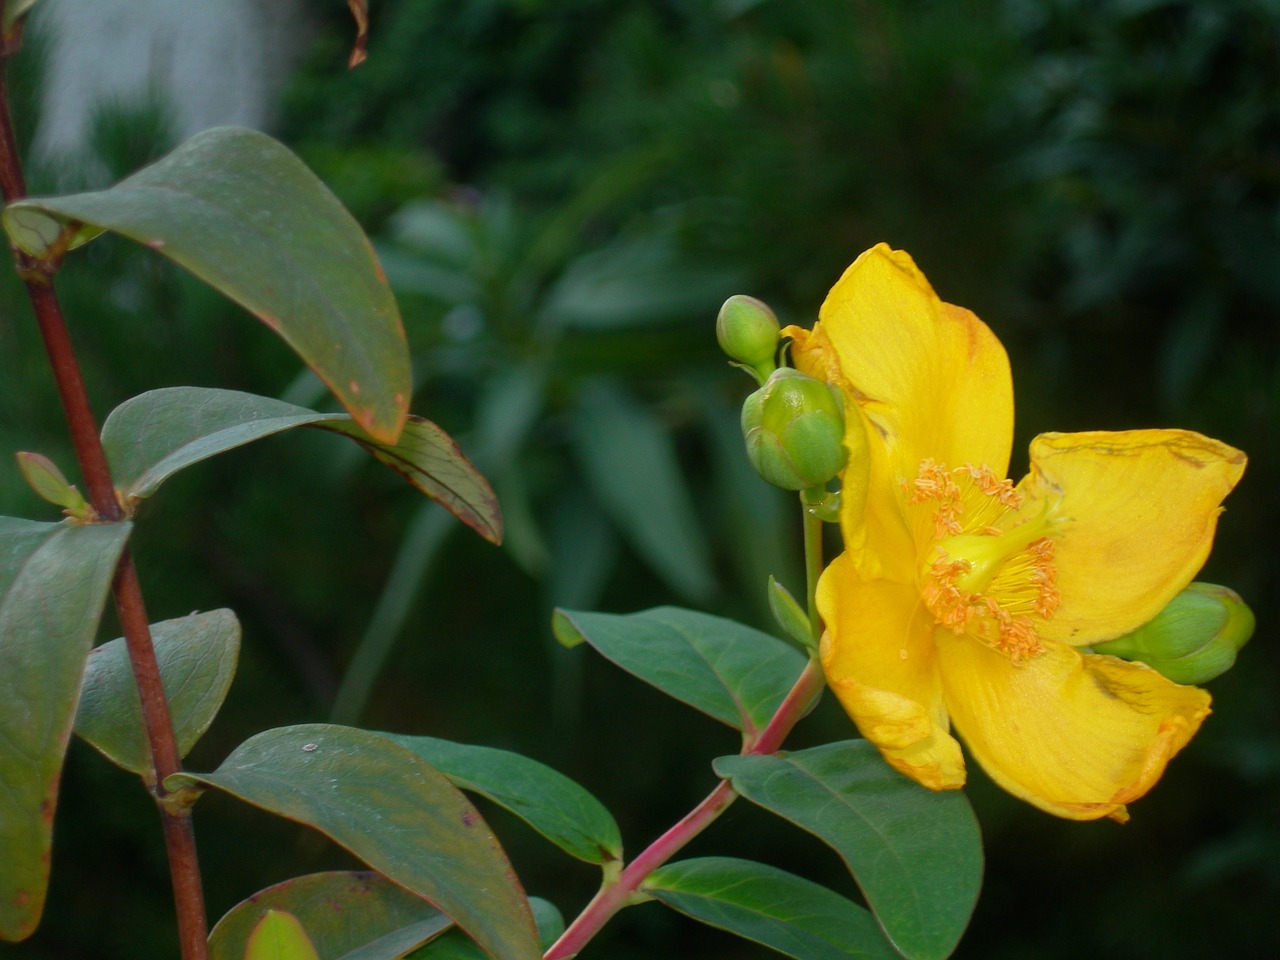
x,y
1193,639
748,332
794,430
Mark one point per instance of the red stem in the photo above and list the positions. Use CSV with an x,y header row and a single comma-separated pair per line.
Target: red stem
x,y
616,895
37,276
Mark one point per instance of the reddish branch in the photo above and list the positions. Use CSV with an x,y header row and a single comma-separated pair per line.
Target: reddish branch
x,y
37,276
622,891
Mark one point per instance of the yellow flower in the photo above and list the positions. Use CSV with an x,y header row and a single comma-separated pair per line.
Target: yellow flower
x,y
962,600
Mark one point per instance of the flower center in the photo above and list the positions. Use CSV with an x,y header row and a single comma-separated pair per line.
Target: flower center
x,y
985,571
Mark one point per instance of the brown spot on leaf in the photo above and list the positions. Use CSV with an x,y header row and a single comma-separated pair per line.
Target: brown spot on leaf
x,y
354,387
468,818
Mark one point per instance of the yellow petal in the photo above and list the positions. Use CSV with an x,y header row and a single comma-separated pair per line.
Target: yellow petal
x,y
1076,735
930,378
1138,510
880,663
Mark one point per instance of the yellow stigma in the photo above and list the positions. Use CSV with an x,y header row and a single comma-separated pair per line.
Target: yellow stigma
x,y
984,572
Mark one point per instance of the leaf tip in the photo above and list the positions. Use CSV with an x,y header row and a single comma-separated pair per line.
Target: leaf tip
x,y
564,629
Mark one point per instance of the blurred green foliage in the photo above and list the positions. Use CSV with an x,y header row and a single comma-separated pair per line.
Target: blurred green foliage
x,y
562,194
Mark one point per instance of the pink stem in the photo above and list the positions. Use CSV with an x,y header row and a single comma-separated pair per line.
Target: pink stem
x,y
614,896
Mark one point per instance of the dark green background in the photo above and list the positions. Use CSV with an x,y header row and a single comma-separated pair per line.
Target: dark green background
x,y
1099,181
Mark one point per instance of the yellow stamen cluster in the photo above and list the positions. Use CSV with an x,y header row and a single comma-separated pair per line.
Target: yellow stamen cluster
x,y
982,576
979,499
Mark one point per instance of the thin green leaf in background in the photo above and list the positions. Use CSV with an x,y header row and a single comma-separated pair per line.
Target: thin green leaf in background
x,y
633,471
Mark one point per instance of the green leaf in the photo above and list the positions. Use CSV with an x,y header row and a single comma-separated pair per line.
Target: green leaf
x,y
154,435
54,579
786,611
453,946
551,803
279,936
631,464
44,477
733,673
916,853
792,915
428,458
395,812
347,914
242,213
197,657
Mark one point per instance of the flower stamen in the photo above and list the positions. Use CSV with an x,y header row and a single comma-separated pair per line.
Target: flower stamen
x,y
984,575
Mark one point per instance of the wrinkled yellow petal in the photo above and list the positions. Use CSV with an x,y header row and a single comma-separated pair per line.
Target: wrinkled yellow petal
x,y
880,663
1076,735
1139,509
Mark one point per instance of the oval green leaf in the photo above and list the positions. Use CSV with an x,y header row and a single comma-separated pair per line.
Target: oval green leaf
x,y
916,853
152,436
731,672
54,579
551,803
353,915
197,657
279,936
395,812
630,462
794,916
241,212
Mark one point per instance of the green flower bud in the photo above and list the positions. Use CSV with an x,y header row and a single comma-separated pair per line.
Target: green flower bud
x,y
794,430
1193,639
748,332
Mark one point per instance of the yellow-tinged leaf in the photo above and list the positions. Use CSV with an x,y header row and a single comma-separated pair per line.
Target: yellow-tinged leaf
x,y
279,936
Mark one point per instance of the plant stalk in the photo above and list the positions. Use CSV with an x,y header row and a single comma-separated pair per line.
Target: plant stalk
x,y
37,277
625,889
612,897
